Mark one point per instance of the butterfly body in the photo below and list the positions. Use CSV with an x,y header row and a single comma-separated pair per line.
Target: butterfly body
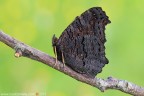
x,y
82,43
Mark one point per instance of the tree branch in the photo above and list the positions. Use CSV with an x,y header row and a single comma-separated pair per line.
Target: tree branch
x,y
22,49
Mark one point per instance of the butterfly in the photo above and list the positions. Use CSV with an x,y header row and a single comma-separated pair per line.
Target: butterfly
x,y
81,45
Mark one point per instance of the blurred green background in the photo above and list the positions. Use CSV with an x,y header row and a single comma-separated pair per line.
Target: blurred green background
x,y
35,21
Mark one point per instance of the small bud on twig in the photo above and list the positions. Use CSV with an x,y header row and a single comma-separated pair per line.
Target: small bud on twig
x,y
18,53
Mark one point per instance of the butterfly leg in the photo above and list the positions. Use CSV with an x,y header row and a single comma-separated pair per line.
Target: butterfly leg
x,y
63,61
55,52
54,41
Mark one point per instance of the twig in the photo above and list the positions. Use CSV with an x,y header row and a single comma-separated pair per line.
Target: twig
x,y
22,49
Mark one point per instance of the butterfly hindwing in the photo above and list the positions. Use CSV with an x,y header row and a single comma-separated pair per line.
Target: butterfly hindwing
x,y
82,43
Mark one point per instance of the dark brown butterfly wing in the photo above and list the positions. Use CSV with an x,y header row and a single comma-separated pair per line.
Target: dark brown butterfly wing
x,y
82,43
